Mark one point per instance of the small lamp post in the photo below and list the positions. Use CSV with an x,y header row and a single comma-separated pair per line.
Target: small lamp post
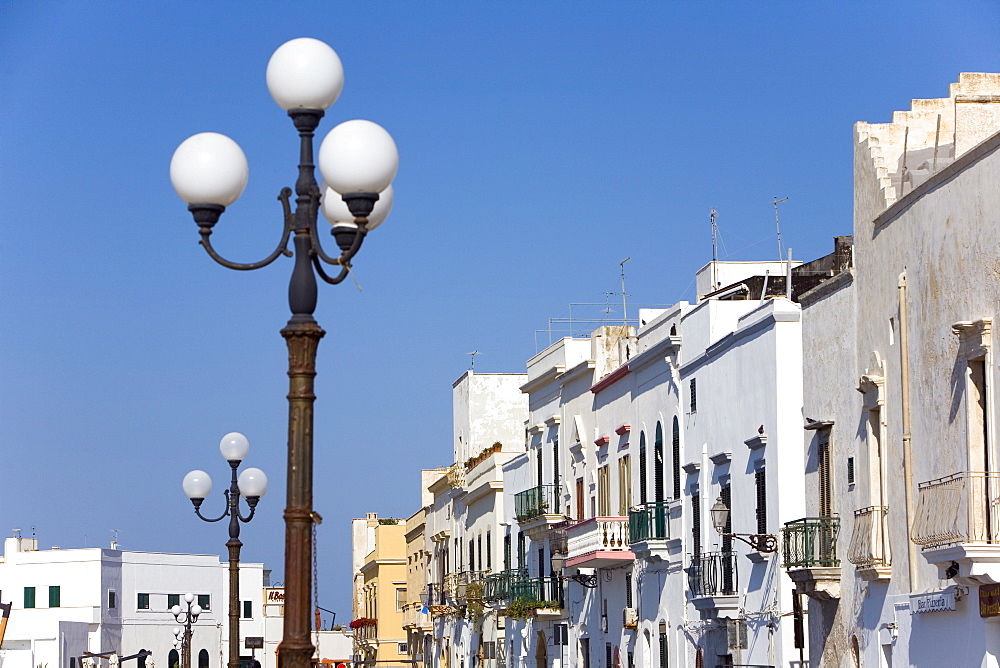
x,y
358,160
252,485
182,634
758,541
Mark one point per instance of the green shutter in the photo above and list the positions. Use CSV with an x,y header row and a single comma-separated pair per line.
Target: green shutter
x,y
54,596
29,597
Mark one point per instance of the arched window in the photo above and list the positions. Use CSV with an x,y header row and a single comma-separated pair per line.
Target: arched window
x,y
658,464
642,468
173,659
203,659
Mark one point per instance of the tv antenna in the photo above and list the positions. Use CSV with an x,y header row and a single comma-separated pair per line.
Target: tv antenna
x,y
472,363
715,236
624,302
777,225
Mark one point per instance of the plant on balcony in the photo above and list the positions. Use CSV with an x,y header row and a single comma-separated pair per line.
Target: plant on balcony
x,y
389,521
475,461
522,608
362,622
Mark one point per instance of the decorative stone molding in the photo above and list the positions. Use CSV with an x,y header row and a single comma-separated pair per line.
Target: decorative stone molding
x,y
974,338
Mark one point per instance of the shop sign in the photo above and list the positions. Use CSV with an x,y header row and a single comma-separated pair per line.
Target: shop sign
x,y
254,642
936,601
989,600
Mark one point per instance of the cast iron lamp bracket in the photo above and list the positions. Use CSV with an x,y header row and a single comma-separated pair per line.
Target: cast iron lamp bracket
x,y
761,542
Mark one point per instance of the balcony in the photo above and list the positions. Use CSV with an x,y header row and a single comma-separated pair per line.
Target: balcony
x,y
869,549
542,589
957,524
439,601
713,581
537,509
414,618
654,530
809,552
600,542
497,586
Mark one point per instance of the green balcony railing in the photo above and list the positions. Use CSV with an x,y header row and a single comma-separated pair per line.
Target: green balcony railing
x,y
810,542
497,586
539,589
531,503
651,521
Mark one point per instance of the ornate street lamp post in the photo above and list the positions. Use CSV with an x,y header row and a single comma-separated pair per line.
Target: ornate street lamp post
x,y
182,634
252,485
358,161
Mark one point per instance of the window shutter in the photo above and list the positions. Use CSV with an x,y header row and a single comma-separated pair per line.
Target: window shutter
x,y
642,467
677,458
658,463
823,455
694,397
761,482
696,524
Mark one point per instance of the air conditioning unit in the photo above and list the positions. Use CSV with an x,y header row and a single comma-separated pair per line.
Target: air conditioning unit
x,y
630,618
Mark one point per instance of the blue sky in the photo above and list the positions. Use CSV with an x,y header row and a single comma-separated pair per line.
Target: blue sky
x,y
541,143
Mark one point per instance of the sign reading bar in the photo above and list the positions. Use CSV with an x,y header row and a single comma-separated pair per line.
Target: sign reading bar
x,y
935,601
989,600
255,642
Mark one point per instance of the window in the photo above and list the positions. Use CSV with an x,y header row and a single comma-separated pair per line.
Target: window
x,y
402,648
555,462
658,464
608,657
29,597
203,658
725,493
205,601
823,467
142,601
54,596
624,485
603,492
400,598
172,600
247,609
850,470
695,523
173,659
579,500
489,552
677,458
520,550
112,599
479,551
642,468
694,397
628,590
664,650
506,552
472,555
541,562
760,481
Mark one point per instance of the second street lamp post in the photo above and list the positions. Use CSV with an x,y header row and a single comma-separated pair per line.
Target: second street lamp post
x,y
358,161
252,485
182,634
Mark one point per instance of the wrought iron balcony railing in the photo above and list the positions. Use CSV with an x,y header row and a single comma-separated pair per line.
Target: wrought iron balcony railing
x,y
810,542
651,521
538,589
497,586
869,544
537,501
960,508
713,574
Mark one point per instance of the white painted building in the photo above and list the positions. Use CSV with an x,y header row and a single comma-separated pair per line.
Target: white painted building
x,y
70,601
463,528
900,396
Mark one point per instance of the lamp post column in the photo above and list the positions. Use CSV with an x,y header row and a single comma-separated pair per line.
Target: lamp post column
x,y
302,337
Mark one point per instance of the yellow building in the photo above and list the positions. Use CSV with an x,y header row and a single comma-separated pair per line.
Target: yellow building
x,y
379,556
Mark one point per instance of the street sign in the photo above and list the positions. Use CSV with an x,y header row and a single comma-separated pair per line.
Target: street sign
x,y
254,642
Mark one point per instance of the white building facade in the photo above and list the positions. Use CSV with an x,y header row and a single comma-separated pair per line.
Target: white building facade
x,y
69,601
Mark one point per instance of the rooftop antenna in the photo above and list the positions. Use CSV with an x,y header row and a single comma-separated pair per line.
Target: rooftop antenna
x,y
472,363
777,226
715,248
114,539
624,302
